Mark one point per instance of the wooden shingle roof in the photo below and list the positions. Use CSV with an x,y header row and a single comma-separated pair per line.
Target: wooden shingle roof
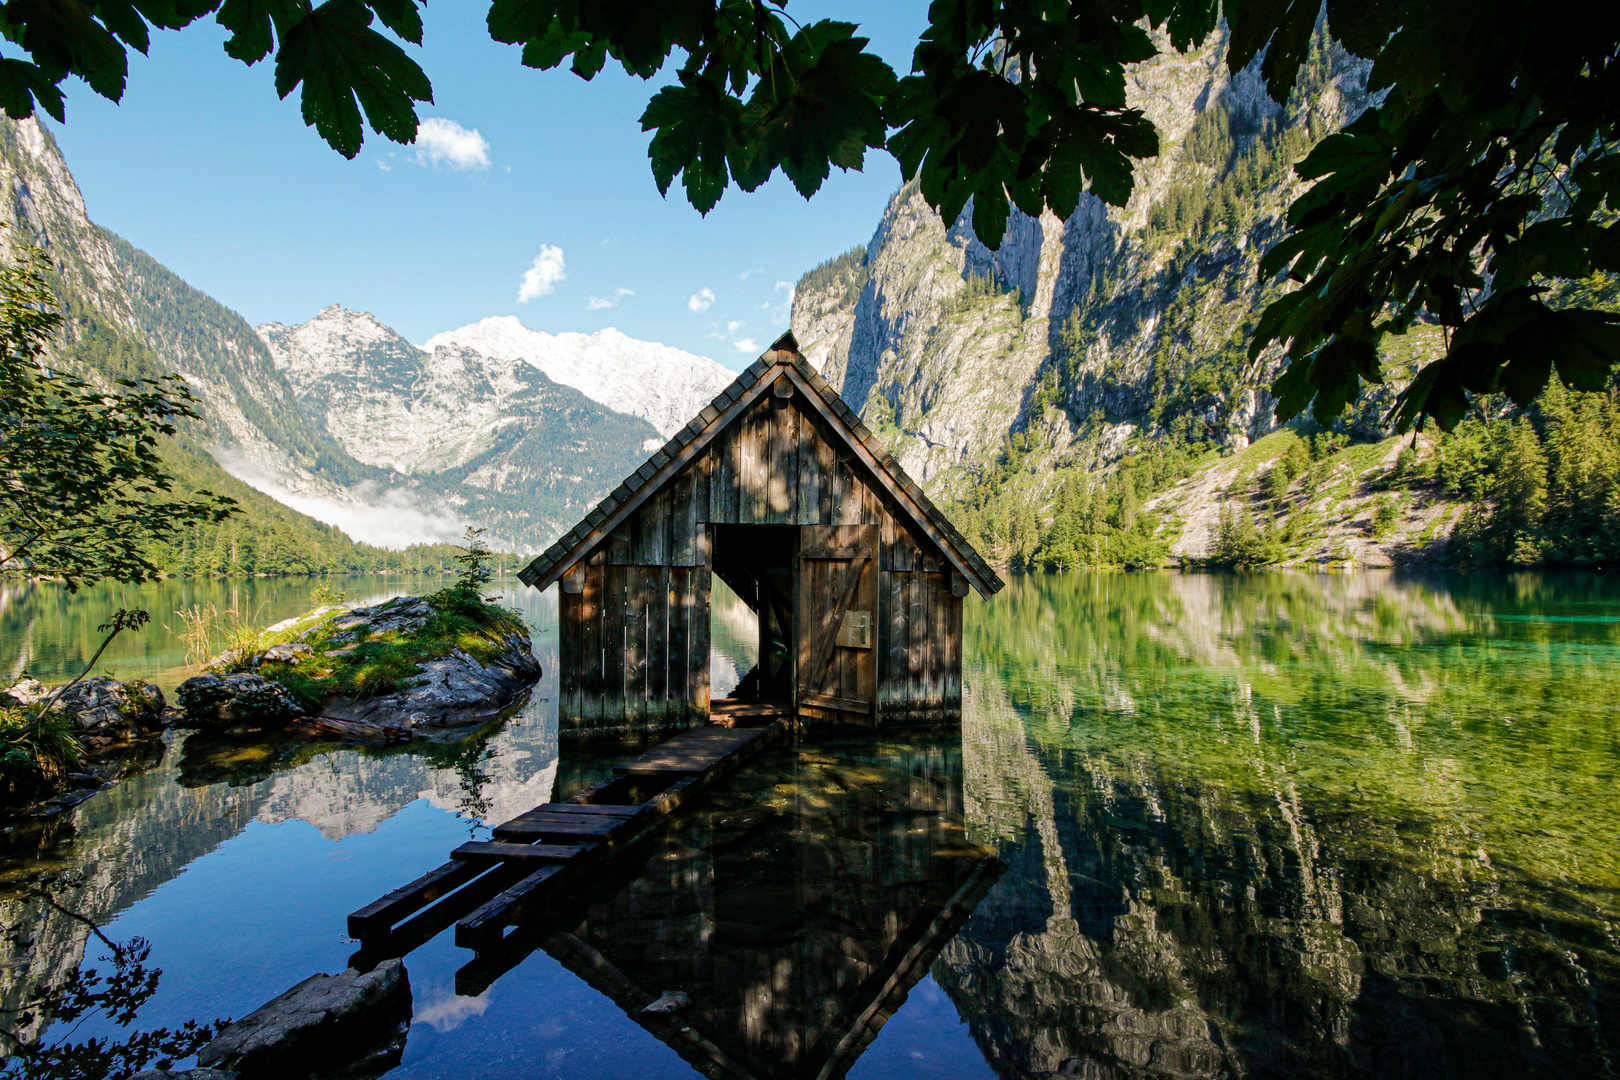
x,y
781,358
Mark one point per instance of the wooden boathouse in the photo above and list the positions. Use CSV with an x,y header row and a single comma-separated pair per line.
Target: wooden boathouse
x,y
778,489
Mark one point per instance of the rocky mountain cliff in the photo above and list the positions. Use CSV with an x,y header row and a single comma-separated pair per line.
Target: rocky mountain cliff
x,y
662,385
496,438
1085,343
391,404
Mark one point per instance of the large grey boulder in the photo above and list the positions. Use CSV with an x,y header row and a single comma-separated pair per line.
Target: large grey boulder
x,y
210,701
100,704
322,1026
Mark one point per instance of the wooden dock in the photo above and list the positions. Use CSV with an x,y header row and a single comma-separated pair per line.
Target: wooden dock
x,y
489,885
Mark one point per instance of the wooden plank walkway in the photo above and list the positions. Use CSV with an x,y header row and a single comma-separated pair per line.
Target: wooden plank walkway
x,y
488,885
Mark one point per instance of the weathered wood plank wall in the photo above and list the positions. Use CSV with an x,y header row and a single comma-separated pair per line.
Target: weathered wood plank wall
x,y
635,616
633,650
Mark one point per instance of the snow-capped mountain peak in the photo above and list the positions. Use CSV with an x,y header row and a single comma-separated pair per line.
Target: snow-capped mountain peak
x,y
663,385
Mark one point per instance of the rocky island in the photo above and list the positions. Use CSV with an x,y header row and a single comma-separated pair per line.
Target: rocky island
x,y
406,667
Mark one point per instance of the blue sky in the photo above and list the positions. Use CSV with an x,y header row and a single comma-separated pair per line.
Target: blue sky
x,y
203,167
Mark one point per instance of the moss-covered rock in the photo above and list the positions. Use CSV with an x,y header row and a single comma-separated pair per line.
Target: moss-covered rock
x,y
382,671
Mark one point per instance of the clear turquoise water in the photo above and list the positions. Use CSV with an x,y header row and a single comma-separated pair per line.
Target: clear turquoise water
x,y
1280,825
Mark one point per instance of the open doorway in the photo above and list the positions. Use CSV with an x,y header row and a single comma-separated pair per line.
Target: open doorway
x,y
756,562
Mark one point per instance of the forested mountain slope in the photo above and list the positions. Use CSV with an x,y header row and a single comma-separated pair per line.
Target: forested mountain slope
x,y
105,337
1082,396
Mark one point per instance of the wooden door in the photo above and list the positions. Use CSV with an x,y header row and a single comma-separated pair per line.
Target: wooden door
x,y
836,612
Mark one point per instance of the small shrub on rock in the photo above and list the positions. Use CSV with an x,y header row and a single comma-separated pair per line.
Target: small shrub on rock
x,y
35,751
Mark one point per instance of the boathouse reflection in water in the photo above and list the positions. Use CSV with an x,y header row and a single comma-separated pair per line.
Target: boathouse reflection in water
x,y
793,910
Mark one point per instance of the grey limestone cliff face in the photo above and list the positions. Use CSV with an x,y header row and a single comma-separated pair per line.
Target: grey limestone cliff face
x,y
944,345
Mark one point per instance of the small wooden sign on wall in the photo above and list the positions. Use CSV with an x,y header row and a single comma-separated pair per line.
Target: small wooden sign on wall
x,y
856,630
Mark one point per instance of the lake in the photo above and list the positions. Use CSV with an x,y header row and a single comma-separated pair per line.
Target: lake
x,y
1269,825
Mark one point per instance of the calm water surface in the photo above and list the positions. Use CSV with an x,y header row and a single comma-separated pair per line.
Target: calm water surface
x,y
1282,825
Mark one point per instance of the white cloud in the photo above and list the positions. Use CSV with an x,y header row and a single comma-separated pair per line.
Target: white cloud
x,y
701,300
782,312
597,303
733,326
384,166
445,142
450,1011
745,345
542,277
746,274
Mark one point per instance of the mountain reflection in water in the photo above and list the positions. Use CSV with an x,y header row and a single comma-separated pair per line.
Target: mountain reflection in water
x,y
1291,825
1283,825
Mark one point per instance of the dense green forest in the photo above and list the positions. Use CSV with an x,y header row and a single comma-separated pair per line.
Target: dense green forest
x,y
1538,487
848,269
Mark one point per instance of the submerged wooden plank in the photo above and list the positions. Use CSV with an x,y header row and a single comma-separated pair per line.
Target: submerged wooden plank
x,y
485,924
590,809
377,916
691,752
478,868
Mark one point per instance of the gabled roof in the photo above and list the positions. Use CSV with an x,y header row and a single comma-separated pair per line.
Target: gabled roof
x,y
687,443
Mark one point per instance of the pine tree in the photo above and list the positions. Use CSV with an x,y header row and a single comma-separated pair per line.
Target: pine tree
x,y
1126,518
1521,479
